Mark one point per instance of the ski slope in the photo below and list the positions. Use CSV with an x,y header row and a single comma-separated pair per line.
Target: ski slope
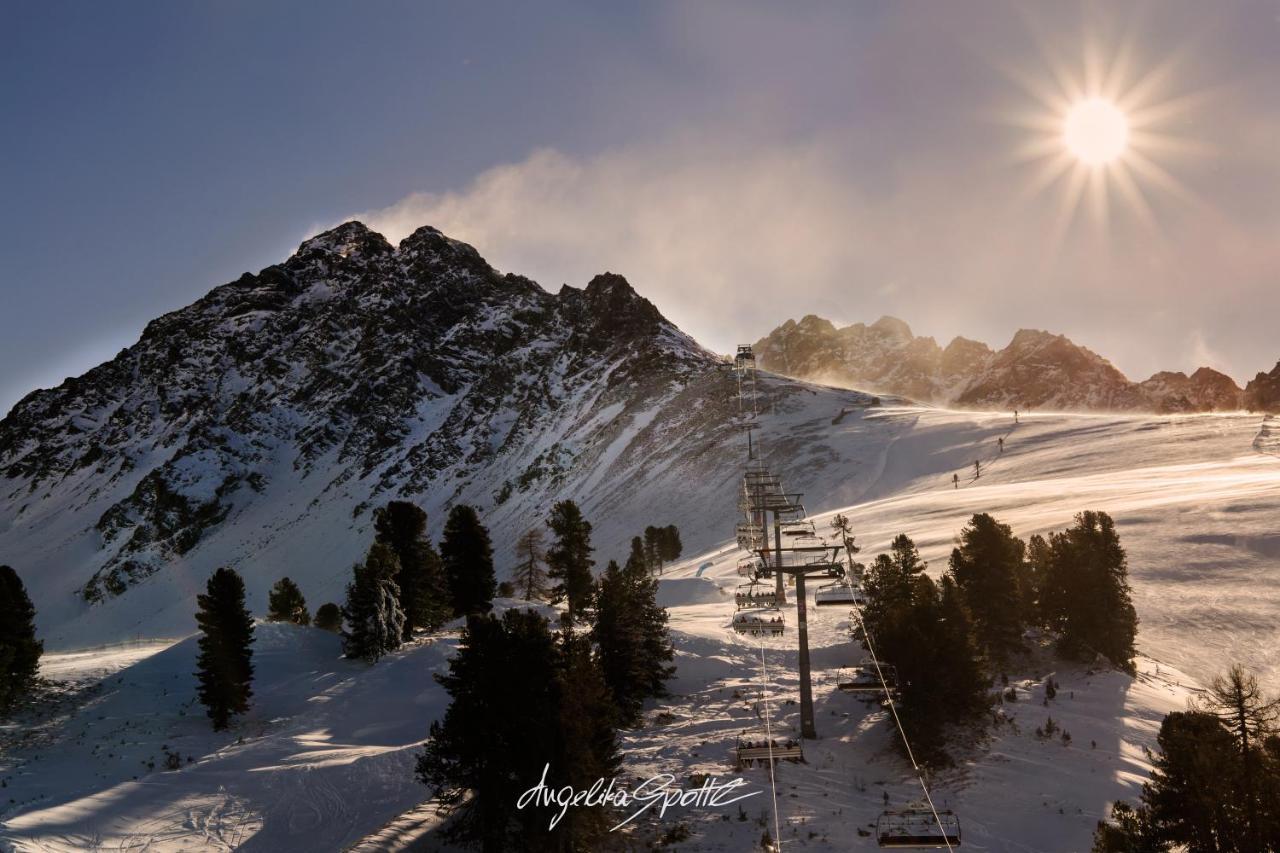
x,y
324,759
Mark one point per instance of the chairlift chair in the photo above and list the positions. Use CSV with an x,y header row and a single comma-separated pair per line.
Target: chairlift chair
x,y
866,679
837,593
759,622
763,751
918,827
749,536
749,596
748,566
798,527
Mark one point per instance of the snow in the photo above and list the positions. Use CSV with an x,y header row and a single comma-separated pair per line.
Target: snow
x,y
281,779
324,759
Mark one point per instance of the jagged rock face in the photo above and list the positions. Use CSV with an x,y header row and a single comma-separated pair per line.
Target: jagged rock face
x,y
1046,371
1262,394
883,357
1037,369
405,369
1206,390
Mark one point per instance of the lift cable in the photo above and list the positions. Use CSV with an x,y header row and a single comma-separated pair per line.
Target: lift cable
x,y
768,737
893,709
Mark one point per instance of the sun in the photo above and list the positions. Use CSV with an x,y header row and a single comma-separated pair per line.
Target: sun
x,y
1104,130
1095,131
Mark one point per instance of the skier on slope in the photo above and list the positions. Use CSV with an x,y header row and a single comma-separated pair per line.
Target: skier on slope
x,y
977,469
1000,441
955,480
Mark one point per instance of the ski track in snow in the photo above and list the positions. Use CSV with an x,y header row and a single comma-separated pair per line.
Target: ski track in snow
x,y
324,759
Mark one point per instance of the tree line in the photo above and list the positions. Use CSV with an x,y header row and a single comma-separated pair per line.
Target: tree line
x,y
574,687
1215,780
947,640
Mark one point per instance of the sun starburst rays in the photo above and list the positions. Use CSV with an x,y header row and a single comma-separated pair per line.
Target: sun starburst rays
x,y
1099,135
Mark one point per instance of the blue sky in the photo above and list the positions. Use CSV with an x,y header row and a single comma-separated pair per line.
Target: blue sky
x,y
740,163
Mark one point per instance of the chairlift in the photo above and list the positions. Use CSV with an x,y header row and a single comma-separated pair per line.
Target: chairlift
x,y
749,596
748,566
838,593
798,527
749,536
919,827
866,678
764,751
759,622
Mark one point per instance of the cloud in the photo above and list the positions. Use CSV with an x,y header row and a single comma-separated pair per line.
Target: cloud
x,y
875,181
726,243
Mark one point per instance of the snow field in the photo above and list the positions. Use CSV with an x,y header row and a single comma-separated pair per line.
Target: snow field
x,y
325,757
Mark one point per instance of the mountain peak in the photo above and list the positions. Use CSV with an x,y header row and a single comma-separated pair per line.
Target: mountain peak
x,y
893,327
1033,337
384,369
429,240
610,285
614,307
349,239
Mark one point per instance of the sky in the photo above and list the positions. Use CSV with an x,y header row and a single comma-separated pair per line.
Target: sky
x,y
741,163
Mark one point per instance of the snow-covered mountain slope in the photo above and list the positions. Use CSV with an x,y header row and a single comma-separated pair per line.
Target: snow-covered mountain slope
x,y
260,426
282,780
1195,498
1037,369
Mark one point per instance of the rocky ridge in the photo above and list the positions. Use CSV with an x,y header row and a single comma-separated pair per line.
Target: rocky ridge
x,y
1036,370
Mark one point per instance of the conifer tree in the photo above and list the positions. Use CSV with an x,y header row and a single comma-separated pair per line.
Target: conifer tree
x,y
905,556
286,604
484,753
960,676
530,576
631,632
638,559
890,579
1085,594
225,663
653,547
329,617
925,633
988,567
587,740
1039,561
1237,701
424,594
375,623
1128,831
671,546
481,757
569,558
19,649
616,632
656,649
842,527
467,555
1215,778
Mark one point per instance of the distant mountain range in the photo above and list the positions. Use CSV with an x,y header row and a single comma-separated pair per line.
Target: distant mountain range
x,y
1036,370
